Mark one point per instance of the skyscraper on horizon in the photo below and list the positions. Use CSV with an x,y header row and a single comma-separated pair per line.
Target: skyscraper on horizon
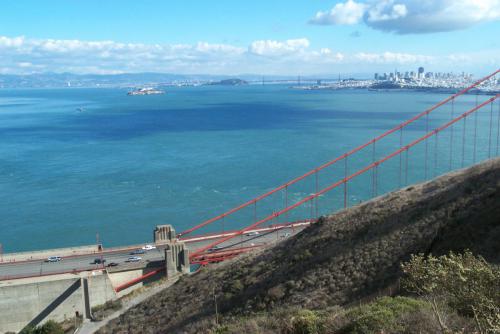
x,y
421,72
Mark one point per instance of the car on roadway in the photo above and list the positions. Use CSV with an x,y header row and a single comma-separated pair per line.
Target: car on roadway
x,y
134,259
286,235
137,251
99,261
112,264
252,234
214,248
53,259
148,247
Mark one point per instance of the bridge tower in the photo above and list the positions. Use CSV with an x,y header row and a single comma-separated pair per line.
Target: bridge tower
x,y
176,252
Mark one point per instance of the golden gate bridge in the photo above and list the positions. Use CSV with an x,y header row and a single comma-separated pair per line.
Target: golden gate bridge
x,y
461,130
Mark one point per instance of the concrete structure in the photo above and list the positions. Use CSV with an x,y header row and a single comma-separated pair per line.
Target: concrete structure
x,y
61,290
176,252
26,302
177,259
164,234
18,267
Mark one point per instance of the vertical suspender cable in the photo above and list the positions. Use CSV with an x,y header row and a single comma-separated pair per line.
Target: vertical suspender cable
x,y
345,183
463,141
311,204
373,170
406,165
426,144
286,204
475,131
491,129
255,211
436,146
451,133
316,191
400,157
498,128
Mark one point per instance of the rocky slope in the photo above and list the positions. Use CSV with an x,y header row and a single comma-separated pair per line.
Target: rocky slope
x,y
344,258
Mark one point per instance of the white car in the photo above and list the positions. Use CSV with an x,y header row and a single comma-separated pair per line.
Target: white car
x,y
54,259
134,259
252,234
148,247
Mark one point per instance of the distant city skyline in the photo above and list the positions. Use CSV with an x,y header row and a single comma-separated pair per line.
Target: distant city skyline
x,y
262,37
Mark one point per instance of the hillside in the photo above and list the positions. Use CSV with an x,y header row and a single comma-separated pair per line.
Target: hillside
x,y
344,258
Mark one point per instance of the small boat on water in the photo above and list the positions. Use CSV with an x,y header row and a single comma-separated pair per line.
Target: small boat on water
x,y
146,91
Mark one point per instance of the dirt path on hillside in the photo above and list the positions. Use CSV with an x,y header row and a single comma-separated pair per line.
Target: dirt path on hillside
x,y
92,326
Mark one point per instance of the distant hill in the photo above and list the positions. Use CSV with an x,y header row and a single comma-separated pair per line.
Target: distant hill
x,y
341,260
230,82
58,80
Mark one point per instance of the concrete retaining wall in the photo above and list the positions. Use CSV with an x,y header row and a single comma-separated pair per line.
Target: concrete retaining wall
x,y
23,301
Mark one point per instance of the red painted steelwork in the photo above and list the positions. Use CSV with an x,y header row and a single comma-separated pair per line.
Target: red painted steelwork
x,y
273,227
222,255
138,279
345,155
350,177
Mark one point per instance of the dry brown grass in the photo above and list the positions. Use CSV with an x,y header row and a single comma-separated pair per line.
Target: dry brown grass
x,y
346,257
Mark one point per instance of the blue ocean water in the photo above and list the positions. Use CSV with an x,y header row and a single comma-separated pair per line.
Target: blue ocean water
x,y
128,163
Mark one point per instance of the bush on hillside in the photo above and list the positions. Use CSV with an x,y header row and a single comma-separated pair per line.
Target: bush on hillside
x,y
99,312
304,322
50,327
383,315
468,284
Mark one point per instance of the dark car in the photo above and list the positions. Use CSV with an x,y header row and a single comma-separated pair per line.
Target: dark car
x,y
99,261
112,264
214,248
137,251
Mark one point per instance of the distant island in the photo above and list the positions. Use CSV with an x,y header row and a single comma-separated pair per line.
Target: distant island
x,y
146,91
229,82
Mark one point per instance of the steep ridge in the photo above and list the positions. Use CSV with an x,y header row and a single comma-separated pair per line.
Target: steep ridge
x,y
347,256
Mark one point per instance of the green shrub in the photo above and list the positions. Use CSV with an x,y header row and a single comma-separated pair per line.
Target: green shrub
x,y
304,322
109,305
236,286
50,327
382,315
220,330
467,283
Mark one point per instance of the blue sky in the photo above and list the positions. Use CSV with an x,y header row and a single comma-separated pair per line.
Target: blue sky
x,y
231,37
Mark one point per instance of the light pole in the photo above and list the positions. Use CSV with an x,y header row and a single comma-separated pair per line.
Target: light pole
x,y
99,248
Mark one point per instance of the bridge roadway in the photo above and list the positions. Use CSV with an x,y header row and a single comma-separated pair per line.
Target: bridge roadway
x,y
77,263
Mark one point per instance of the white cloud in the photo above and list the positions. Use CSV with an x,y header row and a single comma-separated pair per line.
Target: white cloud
x,y
350,12
412,16
25,64
206,47
6,42
385,11
22,55
393,58
277,48
109,56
